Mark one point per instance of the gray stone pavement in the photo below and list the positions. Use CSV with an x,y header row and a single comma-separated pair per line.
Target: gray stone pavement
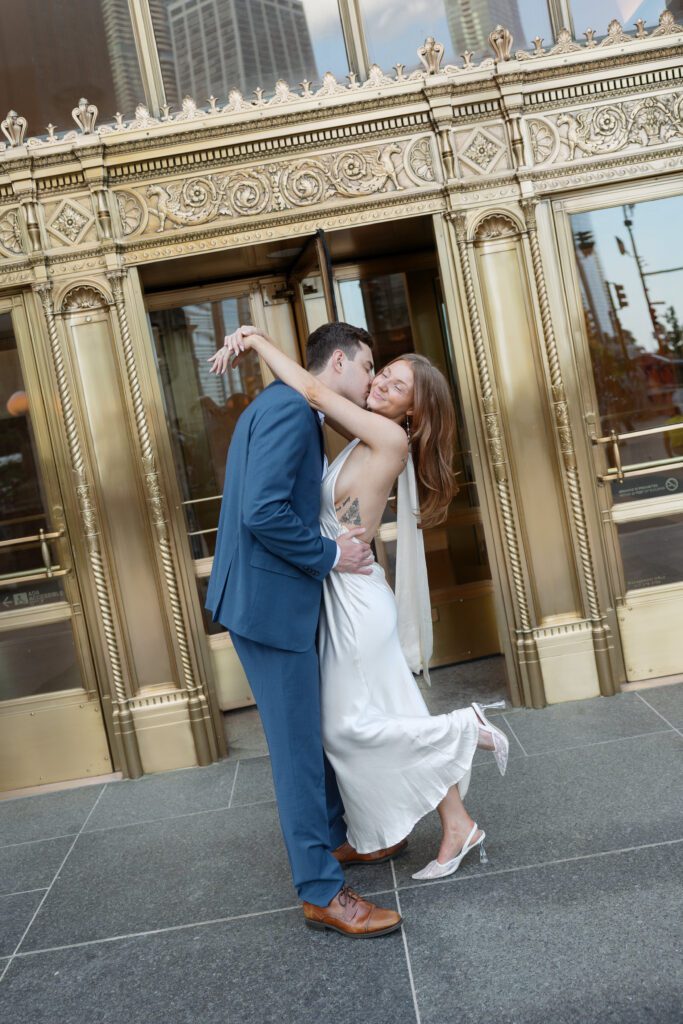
x,y
168,899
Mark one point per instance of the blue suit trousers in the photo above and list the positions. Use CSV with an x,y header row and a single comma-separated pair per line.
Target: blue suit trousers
x,y
286,687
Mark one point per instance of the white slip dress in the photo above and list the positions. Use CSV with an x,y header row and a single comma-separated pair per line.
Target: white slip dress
x,y
394,761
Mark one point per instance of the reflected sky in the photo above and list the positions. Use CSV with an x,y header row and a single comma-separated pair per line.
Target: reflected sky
x,y
656,228
396,29
597,14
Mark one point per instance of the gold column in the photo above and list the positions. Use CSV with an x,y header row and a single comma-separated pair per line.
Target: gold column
x,y
525,643
600,629
197,705
123,721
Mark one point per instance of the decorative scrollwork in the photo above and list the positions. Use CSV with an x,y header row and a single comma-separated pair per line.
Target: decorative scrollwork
x,y
600,131
305,183
420,160
500,41
83,297
85,116
350,174
14,128
131,212
496,226
431,54
10,233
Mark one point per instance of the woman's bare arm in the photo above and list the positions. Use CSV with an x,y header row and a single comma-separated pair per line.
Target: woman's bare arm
x,y
377,432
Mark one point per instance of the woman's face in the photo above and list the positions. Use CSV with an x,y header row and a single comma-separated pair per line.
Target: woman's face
x,y
391,394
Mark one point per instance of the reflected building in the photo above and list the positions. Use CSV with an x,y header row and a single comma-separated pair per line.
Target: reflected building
x,y
219,45
470,23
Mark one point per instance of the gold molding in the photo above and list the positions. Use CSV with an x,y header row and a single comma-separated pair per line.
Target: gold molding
x,y
601,634
122,716
197,704
528,655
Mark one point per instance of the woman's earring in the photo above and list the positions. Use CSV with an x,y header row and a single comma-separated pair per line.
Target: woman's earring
x,y
408,428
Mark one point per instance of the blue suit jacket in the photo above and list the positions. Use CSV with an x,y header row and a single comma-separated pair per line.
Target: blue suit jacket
x,y
270,560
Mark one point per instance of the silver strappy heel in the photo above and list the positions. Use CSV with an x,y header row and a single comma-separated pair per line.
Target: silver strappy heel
x,y
501,744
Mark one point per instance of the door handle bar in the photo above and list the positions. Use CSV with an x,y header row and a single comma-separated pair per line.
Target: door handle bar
x,y
41,537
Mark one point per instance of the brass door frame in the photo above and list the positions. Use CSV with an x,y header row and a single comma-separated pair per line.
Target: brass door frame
x,y
564,286
266,309
53,468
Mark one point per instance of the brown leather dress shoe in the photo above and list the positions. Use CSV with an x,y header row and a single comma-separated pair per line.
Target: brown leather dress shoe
x,y
351,915
346,854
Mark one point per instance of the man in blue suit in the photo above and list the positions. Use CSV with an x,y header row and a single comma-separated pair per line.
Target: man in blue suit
x,y
266,589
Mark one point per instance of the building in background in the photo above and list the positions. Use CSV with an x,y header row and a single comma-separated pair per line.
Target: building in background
x,y
470,23
219,45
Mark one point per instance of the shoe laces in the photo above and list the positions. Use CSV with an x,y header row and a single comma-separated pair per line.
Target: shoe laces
x,y
347,896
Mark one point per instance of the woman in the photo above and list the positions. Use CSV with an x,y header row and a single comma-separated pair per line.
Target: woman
x,y
394,761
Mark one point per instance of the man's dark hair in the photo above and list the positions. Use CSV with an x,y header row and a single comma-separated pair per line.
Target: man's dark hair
x,y
326,339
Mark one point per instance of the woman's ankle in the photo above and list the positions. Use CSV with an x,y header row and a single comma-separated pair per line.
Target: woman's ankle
x,y
485,740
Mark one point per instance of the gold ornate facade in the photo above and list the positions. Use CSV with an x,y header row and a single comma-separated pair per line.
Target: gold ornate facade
x,y
462,178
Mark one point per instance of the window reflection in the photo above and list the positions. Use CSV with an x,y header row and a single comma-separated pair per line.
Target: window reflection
x,y
395,29
201,408
210,47
48,651
382,303
597,14
52,52
22,504
652,551
631,275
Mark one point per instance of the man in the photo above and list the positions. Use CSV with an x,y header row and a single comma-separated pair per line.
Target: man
x,y
266,589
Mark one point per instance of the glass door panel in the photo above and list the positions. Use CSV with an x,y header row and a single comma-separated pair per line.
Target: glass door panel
x,y
202,408
403,311
47,682
630,276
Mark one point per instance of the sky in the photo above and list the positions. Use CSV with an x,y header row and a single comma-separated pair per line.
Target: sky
x,y
656,228
396,28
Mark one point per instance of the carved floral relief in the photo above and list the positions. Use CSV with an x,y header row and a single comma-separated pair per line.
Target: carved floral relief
x,y
481,150
606,129
271,188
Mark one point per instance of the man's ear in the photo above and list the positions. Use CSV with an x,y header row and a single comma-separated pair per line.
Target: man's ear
x,y
338,358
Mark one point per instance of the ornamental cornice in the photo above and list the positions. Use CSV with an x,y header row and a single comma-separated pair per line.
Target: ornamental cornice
x,y
539,71
323,181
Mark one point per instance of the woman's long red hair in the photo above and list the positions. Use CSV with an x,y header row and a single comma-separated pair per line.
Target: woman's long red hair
x,y
432,434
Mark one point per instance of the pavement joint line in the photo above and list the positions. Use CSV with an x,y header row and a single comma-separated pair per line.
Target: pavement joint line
x,y
488,763
405,947
47,891
185,814
515,735
46,839
234,781
159,931
670,724
22,892
596,743
488,873
380,892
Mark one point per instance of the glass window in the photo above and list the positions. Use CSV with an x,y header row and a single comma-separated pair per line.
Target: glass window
x,y
395,29
201,408
652,551
597,14
53,52
22,502
631,279
210,47
36,660
382,304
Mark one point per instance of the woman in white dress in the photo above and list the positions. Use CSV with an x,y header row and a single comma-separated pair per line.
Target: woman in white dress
x,y
394,762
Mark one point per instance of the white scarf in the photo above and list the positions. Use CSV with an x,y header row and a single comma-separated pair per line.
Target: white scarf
x,y
412,585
